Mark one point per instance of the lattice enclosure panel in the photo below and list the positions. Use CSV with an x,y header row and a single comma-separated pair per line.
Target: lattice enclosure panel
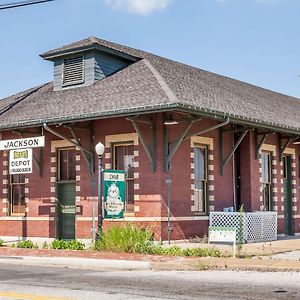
x,y
256,226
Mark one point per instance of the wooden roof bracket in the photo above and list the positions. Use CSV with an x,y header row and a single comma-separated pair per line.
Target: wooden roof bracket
x,y
235,146
38,161
76,143
171,147
88,157
283,143
149,149
259,143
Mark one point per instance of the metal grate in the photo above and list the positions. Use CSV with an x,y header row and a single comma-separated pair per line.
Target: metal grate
x,y
73,70
254,226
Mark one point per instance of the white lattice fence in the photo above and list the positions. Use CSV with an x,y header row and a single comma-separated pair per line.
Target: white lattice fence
x,y
254,226
230,219
262,226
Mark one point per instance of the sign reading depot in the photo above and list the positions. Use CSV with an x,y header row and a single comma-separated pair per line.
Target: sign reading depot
x,y
114,194
20,161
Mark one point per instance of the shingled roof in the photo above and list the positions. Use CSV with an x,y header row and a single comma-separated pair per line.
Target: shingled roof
x,y
151,83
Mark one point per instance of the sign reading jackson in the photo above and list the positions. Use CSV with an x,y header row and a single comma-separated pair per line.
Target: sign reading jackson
x,y
20,161
114,194
31,142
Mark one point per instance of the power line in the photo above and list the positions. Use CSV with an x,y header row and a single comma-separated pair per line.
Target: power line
x,y
22,3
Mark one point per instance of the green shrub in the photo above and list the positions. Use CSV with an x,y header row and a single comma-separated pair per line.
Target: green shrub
x,y
26,244
172,251
67,245
128,238
1,242
201,252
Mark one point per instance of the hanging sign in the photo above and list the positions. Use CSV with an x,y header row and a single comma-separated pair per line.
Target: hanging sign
x,y
31,142
114,194
20,161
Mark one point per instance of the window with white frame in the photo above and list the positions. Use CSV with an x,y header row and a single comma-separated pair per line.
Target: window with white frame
x,y
123,159
17,194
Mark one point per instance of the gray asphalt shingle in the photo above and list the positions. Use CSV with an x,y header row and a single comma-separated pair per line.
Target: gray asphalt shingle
x,y
142,85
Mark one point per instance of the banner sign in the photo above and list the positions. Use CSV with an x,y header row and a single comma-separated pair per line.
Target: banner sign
x,y
114,194
32,142
20,161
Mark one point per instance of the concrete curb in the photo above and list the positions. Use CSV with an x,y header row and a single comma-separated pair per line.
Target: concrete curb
x,y
78,263
177,263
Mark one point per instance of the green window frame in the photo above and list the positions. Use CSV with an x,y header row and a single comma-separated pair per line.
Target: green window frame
x,y
266,180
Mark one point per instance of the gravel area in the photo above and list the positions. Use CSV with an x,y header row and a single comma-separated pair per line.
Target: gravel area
x,y
293,255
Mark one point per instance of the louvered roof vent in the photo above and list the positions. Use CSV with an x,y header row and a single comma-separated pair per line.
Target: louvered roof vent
x,y
73,70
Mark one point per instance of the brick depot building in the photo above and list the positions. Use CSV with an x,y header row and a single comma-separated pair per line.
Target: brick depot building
x,y
223,143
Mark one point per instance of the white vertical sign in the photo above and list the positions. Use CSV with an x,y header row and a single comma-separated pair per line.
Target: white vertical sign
x,y
20,161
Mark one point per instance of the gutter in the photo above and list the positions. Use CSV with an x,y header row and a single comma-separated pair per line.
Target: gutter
x,y
158,108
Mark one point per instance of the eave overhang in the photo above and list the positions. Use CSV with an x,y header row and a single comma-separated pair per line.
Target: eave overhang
x,y
54,55
180,107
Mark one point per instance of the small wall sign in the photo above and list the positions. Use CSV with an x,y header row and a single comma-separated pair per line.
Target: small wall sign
x,y
223,234
31,142
114,194
20,161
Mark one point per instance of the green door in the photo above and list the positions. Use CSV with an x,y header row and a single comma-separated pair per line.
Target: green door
x,y
66,210
287,190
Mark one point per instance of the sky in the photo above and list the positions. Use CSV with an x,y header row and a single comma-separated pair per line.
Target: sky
x,y
255,41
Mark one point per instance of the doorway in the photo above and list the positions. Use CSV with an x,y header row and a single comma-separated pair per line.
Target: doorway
x,y
287,192
66,193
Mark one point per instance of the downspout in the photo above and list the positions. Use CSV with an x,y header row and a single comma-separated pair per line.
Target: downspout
x,y
233,170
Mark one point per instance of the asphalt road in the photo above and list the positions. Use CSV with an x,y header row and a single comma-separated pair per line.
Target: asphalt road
x,y
40,283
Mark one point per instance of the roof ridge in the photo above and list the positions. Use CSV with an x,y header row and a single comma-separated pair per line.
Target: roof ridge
x,y
161,81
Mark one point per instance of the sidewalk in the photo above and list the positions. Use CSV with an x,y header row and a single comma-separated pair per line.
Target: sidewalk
x,y
124,261
251,249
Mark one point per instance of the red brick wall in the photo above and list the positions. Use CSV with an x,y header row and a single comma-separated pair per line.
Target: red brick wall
x,y
152,187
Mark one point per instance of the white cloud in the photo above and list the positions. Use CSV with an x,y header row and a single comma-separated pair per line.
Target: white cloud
x,y
256,1
268,1
141,7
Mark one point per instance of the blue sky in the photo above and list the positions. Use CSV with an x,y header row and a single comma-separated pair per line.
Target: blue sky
x,y
256,41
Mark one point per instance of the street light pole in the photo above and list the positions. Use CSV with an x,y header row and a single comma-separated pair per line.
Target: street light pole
x,y
100,217
99,150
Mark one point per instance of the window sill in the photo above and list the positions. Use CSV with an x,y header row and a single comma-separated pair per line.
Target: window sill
x,y
14,217
128,214
201,214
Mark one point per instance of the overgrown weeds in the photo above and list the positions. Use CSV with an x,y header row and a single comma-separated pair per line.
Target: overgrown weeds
x,y
132,239
128,238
